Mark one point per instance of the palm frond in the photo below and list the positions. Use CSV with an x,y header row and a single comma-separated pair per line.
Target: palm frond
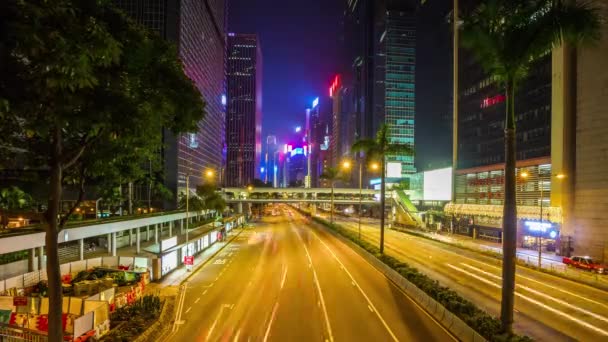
x,y
399,149
364,145
330,174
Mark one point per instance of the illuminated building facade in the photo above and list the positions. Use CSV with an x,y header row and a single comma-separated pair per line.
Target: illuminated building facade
x,y
244,110
199,31
398,46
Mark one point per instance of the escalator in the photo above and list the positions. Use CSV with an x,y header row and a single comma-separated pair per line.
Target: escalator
x,y
406,213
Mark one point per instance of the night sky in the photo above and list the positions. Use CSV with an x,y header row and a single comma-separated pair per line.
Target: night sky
x,y
299,51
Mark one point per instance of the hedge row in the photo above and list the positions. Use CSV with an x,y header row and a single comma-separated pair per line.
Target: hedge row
x,y
486,325
13,256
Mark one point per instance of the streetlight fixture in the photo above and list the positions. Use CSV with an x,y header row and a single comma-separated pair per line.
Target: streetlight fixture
x,y
560,176
188,267
347,165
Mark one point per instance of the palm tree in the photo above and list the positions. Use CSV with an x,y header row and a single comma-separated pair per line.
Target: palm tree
x,y
378,149
331,174
507,36
11,199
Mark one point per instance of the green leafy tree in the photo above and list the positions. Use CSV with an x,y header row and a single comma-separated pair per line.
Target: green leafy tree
x,y
82,86
378,149
507,36
12,199
332,175
206,199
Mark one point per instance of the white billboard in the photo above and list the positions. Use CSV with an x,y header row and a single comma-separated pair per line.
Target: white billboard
x,y
438,185
393,170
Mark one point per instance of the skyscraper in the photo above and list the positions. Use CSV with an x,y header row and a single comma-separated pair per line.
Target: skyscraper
x,y
271,161
397,66
198,29
244,109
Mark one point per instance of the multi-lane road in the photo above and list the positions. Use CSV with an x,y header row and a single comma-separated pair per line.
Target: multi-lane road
x,y
546,307
287,281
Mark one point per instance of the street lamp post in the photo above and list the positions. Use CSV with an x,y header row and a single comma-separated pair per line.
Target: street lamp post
x,y
360,194
188,267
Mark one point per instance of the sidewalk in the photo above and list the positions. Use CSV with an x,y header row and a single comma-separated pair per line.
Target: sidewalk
x,y
169,285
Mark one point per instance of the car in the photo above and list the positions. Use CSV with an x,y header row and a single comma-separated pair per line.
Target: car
x,y
585,263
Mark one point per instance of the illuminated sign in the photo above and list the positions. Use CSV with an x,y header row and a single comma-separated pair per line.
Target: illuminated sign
x,y
315,102
334,86
298,129
297,150
325,145
223,100
285,149
393,170
262,169
289,148
536,226
275,168
437,185
490,101
192,142
168,243
375,181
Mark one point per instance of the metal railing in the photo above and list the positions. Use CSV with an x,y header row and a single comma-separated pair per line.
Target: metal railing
x,y
9,333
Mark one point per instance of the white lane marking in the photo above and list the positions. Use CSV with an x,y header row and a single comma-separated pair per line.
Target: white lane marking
x,y
316,281
180,307
217,319
559,301
197,299
500,269
546,307
369,302
422,241
284,277
413,301
274,312
370,308
205,292
190,308
545,284
236,337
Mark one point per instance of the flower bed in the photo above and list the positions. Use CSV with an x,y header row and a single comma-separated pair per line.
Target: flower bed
x,y
128,322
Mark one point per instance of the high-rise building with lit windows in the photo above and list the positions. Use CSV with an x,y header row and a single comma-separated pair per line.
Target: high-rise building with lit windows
x,y
397,64
198,29
244,109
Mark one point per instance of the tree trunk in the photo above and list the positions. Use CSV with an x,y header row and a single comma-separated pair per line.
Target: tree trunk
x,y
55,333
382,202
509,223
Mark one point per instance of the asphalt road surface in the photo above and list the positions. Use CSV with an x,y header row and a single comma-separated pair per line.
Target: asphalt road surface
x,y
287,281
546,307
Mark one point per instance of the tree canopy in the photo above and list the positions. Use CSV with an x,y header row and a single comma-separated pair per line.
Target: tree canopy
x,y
85,92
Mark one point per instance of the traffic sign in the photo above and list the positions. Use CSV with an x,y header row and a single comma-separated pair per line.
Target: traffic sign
x,y
189,260
19,301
